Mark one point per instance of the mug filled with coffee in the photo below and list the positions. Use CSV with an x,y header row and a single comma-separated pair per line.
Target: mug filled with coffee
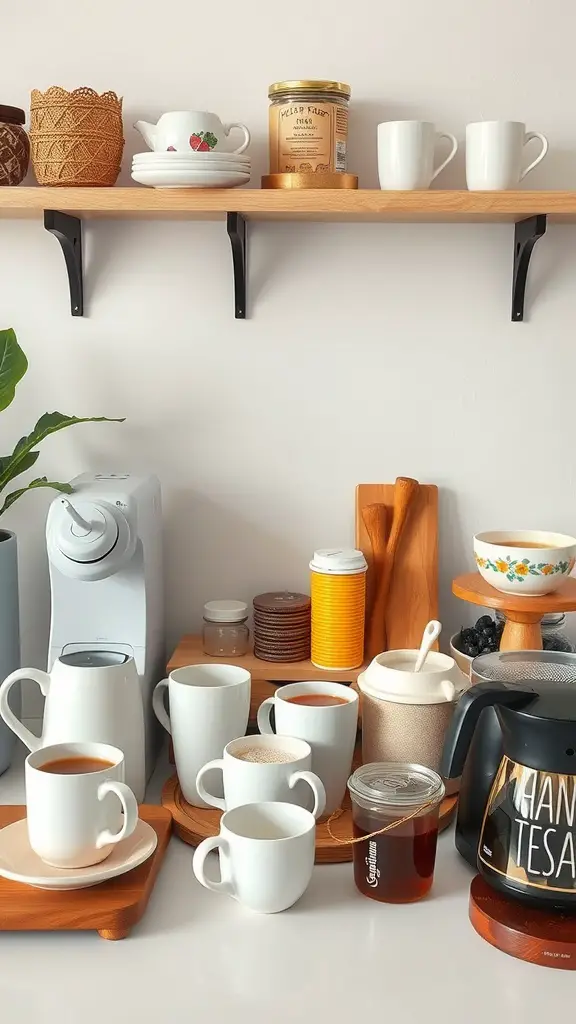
x,y
78,806
325,715
260,768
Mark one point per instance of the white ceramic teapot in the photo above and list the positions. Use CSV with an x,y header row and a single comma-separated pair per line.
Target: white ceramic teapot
x,y
91,696
188,131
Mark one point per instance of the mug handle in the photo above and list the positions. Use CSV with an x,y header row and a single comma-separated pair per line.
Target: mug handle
x,y
243,128
263,717
317,787
43,679
129,806
451,154
225,884
448,689
159,706
528,138
209,798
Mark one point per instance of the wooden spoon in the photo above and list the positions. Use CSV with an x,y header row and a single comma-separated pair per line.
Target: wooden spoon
x,y
375,520
405,490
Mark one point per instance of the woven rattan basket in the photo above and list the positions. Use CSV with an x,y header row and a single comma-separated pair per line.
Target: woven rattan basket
x,y
76,137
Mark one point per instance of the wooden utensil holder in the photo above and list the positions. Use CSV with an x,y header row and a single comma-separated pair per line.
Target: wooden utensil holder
x,y
522,630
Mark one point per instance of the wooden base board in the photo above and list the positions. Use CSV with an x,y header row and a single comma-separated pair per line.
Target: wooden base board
x,y
532,935
112,908
193,824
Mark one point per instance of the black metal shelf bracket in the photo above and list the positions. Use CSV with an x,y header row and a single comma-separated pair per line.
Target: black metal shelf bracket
x,y
68,231
236,227
526,234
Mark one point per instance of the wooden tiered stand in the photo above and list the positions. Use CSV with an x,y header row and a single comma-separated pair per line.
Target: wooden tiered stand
x,y
523,614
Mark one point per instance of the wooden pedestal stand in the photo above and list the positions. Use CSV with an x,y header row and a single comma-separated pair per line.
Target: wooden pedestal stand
x,y
523,614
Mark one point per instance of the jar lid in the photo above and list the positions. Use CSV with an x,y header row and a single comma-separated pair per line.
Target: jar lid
x,y
225,611
12,115
396,784
309,85
338,560
282,601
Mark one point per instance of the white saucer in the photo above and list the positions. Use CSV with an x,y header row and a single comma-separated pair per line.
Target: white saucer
x,y
175,157
191,165
190,178
19,863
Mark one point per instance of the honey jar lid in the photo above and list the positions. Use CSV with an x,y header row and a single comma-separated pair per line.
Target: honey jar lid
x,y
395,784
309,85
225,611
340,561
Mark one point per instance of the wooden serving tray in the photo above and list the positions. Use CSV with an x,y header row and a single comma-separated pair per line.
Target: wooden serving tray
x,y
111,909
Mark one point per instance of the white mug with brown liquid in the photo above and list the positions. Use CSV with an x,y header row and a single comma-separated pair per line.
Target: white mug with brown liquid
x,y
75,796
262,768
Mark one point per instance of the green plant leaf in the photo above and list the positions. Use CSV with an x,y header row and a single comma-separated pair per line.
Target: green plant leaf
x,y
41,481
48,424
26,463
13,366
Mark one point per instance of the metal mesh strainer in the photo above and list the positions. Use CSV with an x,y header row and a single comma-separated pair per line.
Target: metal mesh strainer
x,y
515,666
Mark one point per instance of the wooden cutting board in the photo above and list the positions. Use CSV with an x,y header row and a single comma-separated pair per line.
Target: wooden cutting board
x,y
413,597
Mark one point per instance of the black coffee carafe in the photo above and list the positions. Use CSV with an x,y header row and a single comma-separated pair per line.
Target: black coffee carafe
x,y
518,796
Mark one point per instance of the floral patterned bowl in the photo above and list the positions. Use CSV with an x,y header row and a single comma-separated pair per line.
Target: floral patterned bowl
x,y
530,562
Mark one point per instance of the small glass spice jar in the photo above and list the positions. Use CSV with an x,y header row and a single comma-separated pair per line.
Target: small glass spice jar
x,y
225,633
396,866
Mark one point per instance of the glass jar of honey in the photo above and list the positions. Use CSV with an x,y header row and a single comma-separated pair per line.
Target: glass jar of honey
x,y
395,866
308,127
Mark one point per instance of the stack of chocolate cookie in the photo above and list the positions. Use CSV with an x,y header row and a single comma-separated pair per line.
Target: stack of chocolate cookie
x,y
282,626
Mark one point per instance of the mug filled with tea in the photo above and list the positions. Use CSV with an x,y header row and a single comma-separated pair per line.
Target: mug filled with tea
x,y
395,806
260,768
78,806
325,715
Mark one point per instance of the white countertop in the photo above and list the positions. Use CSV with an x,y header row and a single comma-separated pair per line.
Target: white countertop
x,y
335,956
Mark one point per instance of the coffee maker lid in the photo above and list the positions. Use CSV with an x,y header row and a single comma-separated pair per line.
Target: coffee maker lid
x,y
93,659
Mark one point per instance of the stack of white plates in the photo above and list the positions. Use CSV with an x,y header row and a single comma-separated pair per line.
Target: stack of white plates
x,y
191,170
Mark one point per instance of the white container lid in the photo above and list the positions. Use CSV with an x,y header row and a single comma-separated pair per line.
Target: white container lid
x,y
225,611
342,561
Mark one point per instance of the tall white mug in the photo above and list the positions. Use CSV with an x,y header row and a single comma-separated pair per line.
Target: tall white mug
x,y
330,730
494,151
250,778
266,855
76,818
406,154
209,706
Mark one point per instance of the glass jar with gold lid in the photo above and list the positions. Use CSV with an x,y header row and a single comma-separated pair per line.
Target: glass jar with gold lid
x,y
308,127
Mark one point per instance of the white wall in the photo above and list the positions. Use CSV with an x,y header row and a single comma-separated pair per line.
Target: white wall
x,y
371,350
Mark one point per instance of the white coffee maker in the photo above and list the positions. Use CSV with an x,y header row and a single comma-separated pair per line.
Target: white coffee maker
x,y
105,552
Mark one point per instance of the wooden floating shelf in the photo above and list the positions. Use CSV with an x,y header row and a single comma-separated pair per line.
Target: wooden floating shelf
x,y
63,210
352,205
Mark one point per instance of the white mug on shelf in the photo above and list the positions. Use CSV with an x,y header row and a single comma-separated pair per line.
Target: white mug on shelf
x,y
494,151
264,768
75,818
209,706
266,855
329,729
406,154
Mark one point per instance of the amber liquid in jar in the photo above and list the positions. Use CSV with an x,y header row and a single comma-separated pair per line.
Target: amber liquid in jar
x,y
396,866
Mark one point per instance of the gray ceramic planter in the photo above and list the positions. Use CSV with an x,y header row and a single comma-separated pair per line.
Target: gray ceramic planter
x,y
9,634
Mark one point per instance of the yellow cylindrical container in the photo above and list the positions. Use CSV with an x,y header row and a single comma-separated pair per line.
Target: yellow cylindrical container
x,y
338,593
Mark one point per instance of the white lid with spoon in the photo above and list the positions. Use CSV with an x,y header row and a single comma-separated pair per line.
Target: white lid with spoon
x,y
414,677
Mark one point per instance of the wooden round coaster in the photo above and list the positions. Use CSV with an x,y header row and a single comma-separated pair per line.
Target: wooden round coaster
x,y
193,824
536,936
281,602
267,656
328,179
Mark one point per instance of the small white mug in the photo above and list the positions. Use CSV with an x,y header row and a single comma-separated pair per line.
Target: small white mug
x,y
250,782
75,819
330,730
209,706
494,151
266,855
406,154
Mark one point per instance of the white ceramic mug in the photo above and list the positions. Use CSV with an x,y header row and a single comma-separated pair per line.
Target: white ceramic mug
x,y
209,706
494,151
406,154
188,131
250,782
330,730
75,820
266,855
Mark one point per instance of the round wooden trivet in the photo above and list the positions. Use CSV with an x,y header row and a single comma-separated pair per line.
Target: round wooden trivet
x,y
533,935
193,824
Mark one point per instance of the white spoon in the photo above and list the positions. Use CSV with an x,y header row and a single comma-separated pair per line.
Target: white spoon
x,y
430,635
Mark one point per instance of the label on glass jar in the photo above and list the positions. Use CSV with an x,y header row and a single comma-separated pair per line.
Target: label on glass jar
x,y
308,137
